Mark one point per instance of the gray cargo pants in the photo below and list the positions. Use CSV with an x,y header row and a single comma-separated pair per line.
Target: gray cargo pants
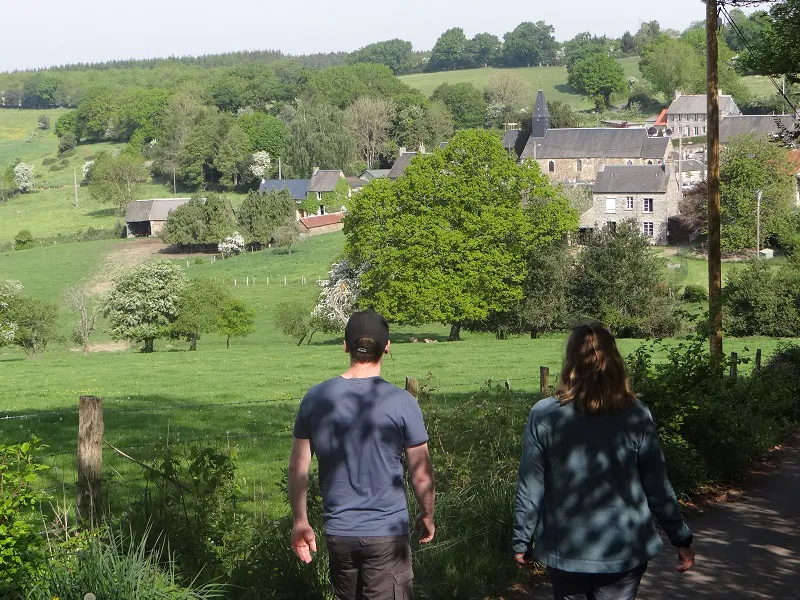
x,y
370,568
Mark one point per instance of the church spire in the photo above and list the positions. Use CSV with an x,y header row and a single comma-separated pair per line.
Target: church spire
x,y
540,121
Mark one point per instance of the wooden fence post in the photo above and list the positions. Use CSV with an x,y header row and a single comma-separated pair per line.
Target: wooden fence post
x,y
90,459
544,381
412,386
758,359
734,365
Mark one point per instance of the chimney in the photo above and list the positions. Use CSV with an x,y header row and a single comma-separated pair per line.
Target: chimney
x,y
401,151
422,148
677,94
314,170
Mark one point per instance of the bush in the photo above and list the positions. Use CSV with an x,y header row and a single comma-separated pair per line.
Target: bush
x,y
24,240
66,144
64,163
199,260
49,161
21,547
759,300
712,426
69,152
56,168
695,293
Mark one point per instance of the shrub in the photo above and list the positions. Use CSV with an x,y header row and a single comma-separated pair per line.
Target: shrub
x,y
24,240
292,320
759,300
21,547
69,152
199,260
56,168
67,143
64,163
49,161
695,293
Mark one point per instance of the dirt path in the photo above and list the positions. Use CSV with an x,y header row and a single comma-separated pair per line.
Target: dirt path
x,y
748,548
129,255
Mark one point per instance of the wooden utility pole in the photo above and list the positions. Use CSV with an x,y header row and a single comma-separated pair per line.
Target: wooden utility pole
x,y
75,185
544,381
174,183
90,459
758,225
712,152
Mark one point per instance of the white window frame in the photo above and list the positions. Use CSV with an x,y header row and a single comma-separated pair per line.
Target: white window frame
x,y
696,131
648,229
611,206
644,205
630,203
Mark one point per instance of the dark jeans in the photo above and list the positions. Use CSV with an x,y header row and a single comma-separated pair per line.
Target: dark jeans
x,y
601,586
370,568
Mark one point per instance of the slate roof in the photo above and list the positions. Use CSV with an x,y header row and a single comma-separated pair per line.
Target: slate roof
x,y
399,166
596,142
696,103
324,180
371,174
321,220
298,188
760,125
510,138
152,210
356,182
632,179
691,165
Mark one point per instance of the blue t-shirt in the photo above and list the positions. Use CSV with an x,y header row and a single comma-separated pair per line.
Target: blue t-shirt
x,y
358,429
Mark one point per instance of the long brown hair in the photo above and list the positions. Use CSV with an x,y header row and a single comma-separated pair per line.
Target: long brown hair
x,y
593,376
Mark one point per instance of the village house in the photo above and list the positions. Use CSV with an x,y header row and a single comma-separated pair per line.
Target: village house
x,y
647,194
146,218
768,126
687,114
577,155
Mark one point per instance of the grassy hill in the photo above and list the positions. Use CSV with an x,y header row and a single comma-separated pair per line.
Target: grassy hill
x,y
246,396
20,136
553,80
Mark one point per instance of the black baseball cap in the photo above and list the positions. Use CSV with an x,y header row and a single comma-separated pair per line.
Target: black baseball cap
x,y
366,324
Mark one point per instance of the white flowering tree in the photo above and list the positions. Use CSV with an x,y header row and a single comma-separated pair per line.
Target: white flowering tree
x,y
8,329
87,167
338,298
233,244
144,302
23,177
259,165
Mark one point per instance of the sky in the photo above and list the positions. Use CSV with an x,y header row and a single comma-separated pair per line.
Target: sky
x,y
51,32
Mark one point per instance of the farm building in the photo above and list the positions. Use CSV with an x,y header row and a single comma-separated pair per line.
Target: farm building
x,y
647,194
146,218
319,224
759,125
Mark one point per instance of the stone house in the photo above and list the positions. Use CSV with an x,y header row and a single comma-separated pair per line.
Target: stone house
x,y
146,218
687,115
647,194
759,125
577,156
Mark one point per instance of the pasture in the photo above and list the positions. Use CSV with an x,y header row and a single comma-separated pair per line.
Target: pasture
x,y
244,397
553,80
20,136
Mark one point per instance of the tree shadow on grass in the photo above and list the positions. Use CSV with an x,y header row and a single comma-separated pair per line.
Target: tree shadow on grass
x,y
565,88
104,212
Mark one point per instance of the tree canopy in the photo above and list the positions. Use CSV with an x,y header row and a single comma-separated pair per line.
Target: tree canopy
x,y
445,242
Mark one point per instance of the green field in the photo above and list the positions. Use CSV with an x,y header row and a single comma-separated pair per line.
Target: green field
x,y
20,136
553,80
246,396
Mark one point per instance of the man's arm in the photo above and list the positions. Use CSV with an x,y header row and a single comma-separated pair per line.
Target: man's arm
x,y
420,471
303,539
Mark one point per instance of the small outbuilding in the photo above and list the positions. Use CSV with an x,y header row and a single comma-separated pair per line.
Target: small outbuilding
x,y
146,218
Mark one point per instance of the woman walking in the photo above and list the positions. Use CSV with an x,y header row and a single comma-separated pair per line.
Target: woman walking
x,y
591,477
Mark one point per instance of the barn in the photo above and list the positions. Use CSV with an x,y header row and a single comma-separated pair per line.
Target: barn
x,y
146,218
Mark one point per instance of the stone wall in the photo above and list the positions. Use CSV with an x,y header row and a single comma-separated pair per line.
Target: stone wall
x,y
565,170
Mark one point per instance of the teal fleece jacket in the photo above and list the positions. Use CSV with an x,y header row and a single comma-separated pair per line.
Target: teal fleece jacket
x,y
588,486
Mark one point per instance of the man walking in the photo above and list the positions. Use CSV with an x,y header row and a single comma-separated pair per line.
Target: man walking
x,y
358,425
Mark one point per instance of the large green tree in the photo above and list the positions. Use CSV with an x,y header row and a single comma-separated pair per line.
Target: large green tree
x,y
598,76
144,302
262,214
449,51
199,309
319,138
265,133
465,101
483,50
750,164
36,323
529,45
203,221
446,242
776,48
236,319
117,179
396,54
620,282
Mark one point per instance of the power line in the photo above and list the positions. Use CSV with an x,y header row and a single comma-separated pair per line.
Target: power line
x,y
738,32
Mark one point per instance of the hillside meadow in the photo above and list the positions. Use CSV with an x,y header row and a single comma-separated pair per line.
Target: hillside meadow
x,y
244,397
